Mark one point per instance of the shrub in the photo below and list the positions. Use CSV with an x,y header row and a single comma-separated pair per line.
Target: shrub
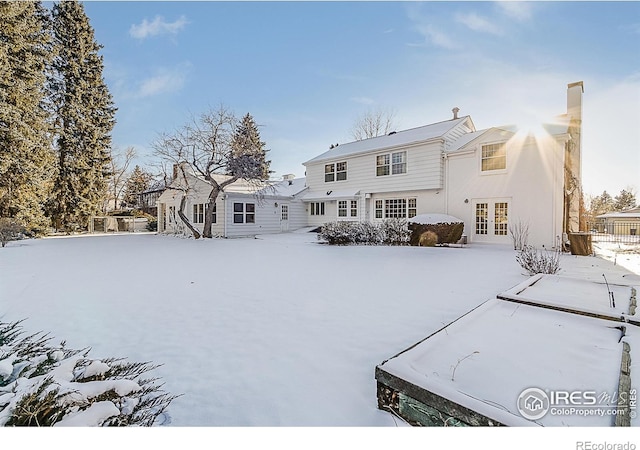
x,y
447,232
338,233
395,232
534,261
152,225
10,230
519,232
389,232
428,239
45,385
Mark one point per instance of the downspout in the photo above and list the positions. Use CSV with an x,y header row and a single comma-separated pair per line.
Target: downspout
x,y
224,208
446,183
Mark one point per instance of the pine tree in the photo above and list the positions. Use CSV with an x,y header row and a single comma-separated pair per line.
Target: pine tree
x,y
248,148
139,181
626,199
26,159
85,117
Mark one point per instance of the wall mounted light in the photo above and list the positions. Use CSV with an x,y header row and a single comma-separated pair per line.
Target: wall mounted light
x,y
466,200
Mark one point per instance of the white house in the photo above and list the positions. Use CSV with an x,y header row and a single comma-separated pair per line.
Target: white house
x,y
244,209
491,179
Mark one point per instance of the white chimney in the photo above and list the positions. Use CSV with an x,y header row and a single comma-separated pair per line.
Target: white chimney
x,y
288,177
455,110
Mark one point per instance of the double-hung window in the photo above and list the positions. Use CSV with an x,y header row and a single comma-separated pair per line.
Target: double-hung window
x,y
391,164
335,172
494,157
347,208
198,213
244,213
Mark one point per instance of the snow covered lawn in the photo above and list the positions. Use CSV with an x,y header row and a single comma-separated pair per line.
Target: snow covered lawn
x,y
254,332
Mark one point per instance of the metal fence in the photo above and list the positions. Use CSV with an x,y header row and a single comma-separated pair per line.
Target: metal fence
x,y
117,224
616,231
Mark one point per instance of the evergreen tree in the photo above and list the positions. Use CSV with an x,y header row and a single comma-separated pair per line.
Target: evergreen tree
x,y
139,181
85,116
601,204
26,159
246,145
626,199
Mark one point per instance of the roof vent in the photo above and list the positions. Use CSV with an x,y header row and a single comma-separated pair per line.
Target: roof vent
x,y
455,110
393,132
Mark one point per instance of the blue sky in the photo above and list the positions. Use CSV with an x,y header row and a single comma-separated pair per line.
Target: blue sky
x,y
306,70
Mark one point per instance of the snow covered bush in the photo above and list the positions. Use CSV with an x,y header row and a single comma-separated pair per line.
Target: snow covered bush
x,y
534,261
395,232
338,233
389,232
368,233
43,385
447,228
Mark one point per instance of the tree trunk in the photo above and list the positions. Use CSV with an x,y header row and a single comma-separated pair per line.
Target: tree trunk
x,y
208,213
213,195
185,220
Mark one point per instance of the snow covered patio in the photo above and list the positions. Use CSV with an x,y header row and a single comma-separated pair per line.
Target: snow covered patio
x,y
276,331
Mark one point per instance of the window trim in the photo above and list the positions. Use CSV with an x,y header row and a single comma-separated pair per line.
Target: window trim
x,y
198,213
316,208
332,173
501,146
348,208
244,213
389,166
382,210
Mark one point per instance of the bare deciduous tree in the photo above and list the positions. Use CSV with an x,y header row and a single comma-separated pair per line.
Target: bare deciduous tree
x,y
120,163
210,145
374,122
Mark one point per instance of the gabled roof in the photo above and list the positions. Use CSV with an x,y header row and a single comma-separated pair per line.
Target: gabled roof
x,y
559,127
400,138
464,140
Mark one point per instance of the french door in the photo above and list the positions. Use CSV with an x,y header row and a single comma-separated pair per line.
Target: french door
x,y
491,220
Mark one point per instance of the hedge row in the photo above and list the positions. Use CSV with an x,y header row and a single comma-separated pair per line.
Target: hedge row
x,y
388,232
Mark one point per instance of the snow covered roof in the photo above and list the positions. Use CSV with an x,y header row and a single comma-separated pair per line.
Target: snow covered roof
x,y
434,218
633,213
322,196
406,137
554,129
287,188
464,140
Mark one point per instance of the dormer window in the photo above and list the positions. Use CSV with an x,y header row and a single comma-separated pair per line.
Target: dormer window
x,y
494,157
335,172
391,164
